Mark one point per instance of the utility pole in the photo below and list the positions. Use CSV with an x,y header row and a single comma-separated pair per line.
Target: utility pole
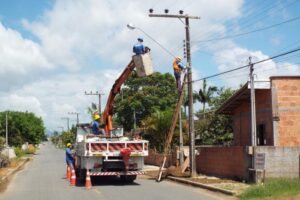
x,y
187,17
68,122
6,129
253,108
62,128
134,119
77,116
97,93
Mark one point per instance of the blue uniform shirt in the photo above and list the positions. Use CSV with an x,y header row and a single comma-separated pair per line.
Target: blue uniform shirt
x,y
69,156
95,128
138,48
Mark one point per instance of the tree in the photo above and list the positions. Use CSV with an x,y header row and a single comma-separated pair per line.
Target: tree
x,y
144,96
22,127
215,128
92,109
205,94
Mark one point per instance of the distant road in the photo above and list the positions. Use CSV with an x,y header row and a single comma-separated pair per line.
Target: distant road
x,y
44,179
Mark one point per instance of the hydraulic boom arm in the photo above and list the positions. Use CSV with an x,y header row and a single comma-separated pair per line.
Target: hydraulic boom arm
x,y
108,111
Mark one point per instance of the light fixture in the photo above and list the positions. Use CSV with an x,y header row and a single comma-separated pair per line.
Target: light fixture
x,y
131,26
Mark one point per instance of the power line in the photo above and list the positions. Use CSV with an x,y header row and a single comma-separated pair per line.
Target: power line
x,y
258,16
249,32
238,68
262,12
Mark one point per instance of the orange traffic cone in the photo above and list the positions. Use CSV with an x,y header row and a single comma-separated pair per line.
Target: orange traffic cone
x,y
68,175
88,183
73,178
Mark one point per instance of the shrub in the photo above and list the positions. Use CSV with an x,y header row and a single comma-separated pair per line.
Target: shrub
x,y
19,152
30,150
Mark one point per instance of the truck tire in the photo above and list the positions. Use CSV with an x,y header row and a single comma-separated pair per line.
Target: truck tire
x,y
127,179
82,176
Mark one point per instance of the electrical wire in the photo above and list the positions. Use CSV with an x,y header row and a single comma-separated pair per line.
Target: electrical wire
x,y
249,32
238,68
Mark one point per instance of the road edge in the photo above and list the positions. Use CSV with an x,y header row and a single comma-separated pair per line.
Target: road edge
x,y
208,187
5,179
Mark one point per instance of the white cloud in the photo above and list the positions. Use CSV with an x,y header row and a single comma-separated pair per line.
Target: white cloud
x,y
233,57
23,103
20,59
76,30
55,97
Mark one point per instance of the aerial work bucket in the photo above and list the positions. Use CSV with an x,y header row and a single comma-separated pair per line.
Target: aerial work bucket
x,y
143,64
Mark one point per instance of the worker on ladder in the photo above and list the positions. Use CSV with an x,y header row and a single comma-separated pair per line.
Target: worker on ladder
x,y
178,68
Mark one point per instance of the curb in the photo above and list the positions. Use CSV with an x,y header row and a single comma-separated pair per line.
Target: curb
x,y
212,188
5,178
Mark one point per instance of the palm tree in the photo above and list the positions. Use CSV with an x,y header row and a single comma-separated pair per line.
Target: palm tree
x,y
205,94
91,110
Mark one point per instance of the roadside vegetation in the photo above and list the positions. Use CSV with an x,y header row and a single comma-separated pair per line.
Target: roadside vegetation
x,y
273,188
22,127
61,139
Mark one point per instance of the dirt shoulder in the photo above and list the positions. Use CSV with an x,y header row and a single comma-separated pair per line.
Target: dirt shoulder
x,y
7,173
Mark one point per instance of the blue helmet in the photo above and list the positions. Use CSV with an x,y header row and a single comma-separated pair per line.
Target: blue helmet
x,y
140,39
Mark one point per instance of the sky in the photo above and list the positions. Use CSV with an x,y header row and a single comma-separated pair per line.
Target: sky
x,y
52,51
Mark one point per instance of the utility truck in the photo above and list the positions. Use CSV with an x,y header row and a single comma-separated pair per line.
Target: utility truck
x,y
112,154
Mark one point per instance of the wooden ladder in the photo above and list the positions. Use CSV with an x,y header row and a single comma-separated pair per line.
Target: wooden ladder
x,y
172,127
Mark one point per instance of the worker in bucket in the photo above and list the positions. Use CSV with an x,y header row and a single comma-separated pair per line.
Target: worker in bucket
x,y
139,47
70,156
96,128
178,68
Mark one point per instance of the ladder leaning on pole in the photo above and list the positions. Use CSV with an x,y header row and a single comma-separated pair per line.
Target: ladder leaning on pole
x,y
172,127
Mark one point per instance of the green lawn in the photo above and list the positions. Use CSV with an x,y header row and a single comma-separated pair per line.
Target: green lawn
x,y
273,188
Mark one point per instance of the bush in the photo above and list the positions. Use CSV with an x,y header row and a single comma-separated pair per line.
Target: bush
x,y
19,152
30,150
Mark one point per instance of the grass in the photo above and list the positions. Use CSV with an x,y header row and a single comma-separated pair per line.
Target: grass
x,y
273,188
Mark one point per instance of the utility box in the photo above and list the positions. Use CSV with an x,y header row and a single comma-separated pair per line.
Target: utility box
x,y
143,64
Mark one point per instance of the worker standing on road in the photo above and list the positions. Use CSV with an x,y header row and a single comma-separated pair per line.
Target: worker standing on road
x,y
178,67
96,129
70,156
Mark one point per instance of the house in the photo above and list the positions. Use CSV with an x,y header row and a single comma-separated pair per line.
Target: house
x,y
278,132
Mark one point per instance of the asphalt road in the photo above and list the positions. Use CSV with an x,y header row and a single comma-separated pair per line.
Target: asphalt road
x,y
44,179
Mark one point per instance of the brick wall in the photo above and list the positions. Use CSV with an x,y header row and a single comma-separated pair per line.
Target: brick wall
x,y
287,108
229,162
242,118
155,158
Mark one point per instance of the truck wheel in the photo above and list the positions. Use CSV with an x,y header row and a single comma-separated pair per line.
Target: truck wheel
x,y
127,179
82,175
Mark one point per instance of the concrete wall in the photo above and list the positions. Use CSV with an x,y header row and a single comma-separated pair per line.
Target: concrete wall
x,y
242,118
229,162
281,161
286,100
